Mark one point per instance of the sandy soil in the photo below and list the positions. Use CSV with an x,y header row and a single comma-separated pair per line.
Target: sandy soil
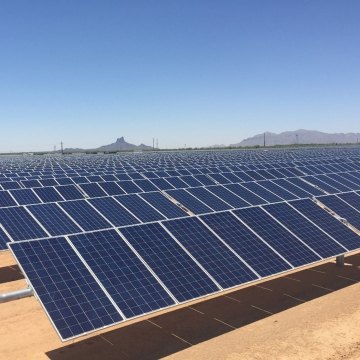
x,y
312,314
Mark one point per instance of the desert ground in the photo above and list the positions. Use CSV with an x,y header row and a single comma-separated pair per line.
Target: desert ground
x,y
311,314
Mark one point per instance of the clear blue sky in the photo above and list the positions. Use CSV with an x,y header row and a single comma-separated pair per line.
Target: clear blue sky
x,y
195,72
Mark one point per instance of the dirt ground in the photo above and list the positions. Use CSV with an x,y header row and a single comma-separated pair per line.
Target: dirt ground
x,y
311,314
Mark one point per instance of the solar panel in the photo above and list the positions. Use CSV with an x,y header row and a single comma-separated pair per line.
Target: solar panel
x,y
113,211
162,184
6,199
25,196
305,230
305,186
321,184
292,188
173,266
53,219
189,201
342,209
139,208
352,198
251,248
332,226
281,240
228,196
19,224
111,188
262,192
245,194
216,258
129,282
146,185
176,182
164,205
93,190
277,190
3,240
340,179
191,181
48,194
72,298
205,180
82,212
209,199
69,192
129,187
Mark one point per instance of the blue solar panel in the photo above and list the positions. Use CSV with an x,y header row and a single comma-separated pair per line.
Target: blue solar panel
x,y
191,181
174,267
162,184
281,240
131,285
54,220
218,178
25,196
216,258
228,196
251,248
209,199
6,199
321,184
164,205
31,183
189,201
340,179
292,188
111,188
277,190
262,192
205,180
9,185
48,194
245,194
48,182
305,230
129,187
146,185
335,184
88,218
113,211
176,182
342,209
69,192
19,224
139,208
93,190
72,298
305,186
332,226
3,240
352,198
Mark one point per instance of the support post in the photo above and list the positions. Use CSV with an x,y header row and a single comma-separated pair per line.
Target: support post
x,y
15,295
340,260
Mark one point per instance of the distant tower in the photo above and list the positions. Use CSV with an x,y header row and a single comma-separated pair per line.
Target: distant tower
x,y
264,140
157,143
297,139
153,143
62,148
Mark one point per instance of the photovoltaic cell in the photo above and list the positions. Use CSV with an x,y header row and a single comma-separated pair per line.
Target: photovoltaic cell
x,y
93,190
281,240
251,248
69,192
305,230
130,284
113,211
164,205
53,219
85,215
327,222
305,186
245,194
175,268
48,194
19,224
6,199
139,208
217,259
25,196
228,196
189,201
352,198
72,298
209,199
262,192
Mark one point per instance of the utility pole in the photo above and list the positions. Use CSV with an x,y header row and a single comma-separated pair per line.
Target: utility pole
x,y
157,143
62,148
264,140
153,143
297,139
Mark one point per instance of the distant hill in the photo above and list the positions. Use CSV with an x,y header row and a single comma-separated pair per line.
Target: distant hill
x,y
119,145
299,137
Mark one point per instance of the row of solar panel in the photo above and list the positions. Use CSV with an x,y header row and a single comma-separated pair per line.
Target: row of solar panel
x,y
93,280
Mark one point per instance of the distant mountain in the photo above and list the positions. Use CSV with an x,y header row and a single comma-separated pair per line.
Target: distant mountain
x,y
119,145
299,137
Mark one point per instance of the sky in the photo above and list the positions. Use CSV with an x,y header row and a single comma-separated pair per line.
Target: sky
x,y
194,72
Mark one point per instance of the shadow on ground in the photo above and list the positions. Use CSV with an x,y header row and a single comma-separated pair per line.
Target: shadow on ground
x,y
10,273
174,331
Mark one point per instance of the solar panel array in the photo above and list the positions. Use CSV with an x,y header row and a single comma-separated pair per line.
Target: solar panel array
x,y
106,238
